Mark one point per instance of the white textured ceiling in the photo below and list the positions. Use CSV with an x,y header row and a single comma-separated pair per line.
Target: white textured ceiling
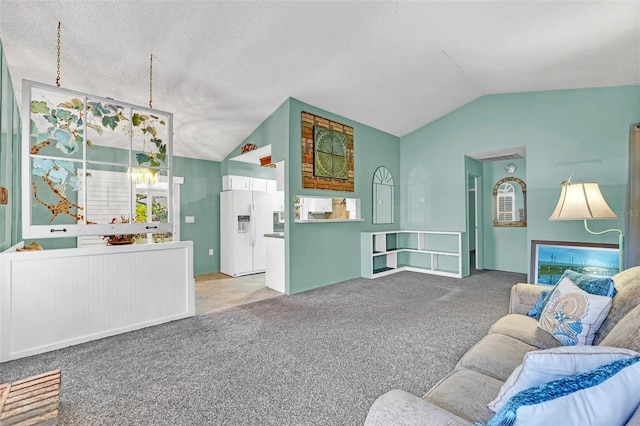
x,y
223,67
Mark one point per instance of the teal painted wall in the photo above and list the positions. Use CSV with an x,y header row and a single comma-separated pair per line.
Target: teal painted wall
x,y
321,253
200,197
10,132
500,242
583,131
325,253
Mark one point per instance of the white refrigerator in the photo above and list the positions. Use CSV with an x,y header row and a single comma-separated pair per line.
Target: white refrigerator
x,y
245,216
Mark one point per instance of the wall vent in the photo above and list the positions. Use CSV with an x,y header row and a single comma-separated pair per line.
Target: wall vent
x,y
500,155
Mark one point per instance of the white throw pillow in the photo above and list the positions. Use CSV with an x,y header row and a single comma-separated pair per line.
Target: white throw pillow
x,y
572,315
602,399
547,365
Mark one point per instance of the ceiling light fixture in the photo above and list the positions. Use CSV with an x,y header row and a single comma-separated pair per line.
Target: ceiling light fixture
x,y
141,174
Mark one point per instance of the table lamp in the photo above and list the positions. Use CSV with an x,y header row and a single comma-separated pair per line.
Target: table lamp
x,y
584,201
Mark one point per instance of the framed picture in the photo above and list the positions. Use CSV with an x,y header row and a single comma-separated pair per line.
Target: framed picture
x,y
549,259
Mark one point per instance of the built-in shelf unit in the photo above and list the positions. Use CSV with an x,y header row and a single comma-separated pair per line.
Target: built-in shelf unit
x,y
429,252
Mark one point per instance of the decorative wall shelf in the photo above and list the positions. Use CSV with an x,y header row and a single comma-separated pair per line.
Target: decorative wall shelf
x,y
254,156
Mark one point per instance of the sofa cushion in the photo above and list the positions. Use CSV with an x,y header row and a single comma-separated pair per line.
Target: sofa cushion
x,y
607,395
466,394
547,365
495,355
525,329
397,407
573,315
627,297
626,334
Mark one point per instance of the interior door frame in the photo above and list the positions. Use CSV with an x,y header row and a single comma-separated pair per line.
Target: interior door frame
x,y
478,229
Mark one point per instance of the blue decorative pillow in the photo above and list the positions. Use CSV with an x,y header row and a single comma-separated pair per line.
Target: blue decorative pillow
x,y
607,395
602,286
537,310
592,284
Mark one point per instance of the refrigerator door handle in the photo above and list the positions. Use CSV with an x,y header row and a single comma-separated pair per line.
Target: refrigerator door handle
x,y
252,224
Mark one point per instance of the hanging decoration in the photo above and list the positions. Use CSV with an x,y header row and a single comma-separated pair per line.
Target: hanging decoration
x,y
142,174
248,147
58,58
72,133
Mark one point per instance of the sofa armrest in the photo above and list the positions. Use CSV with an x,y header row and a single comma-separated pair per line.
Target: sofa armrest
x,y
398,407
524,297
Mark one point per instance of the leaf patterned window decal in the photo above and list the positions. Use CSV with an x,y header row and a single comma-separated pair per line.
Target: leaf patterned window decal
x,y
69,135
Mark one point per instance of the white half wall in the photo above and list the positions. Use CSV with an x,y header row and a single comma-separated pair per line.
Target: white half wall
x,y
56,298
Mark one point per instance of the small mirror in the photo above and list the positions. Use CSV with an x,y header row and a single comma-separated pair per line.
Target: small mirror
x,y
510,202
382,196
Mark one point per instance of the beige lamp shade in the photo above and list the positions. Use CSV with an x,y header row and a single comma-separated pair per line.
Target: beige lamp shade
x,y
580,201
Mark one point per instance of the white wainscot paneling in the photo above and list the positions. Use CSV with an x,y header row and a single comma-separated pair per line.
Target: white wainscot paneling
x,y
57,298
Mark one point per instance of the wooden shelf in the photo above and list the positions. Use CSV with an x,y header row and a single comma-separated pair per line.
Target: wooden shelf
x,y
254,156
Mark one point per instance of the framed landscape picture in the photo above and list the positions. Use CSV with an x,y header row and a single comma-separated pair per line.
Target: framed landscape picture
x,y
549,259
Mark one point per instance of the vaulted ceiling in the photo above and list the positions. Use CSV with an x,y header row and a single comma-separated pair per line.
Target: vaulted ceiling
x,y
223,67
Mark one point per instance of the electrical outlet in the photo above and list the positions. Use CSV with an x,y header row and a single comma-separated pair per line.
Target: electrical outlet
x,y
210,252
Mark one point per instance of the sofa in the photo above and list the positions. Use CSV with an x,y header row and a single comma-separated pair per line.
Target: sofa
x,y
461,398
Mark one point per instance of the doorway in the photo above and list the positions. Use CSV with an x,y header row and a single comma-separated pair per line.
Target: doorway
x,y
497,247
474,221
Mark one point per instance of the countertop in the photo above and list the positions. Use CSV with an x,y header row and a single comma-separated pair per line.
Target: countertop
x,y
275,235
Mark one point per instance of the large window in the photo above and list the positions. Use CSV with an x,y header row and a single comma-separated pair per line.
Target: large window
x,y
69,137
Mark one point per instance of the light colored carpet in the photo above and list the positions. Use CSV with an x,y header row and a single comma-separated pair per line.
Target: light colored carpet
x,y
316,358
